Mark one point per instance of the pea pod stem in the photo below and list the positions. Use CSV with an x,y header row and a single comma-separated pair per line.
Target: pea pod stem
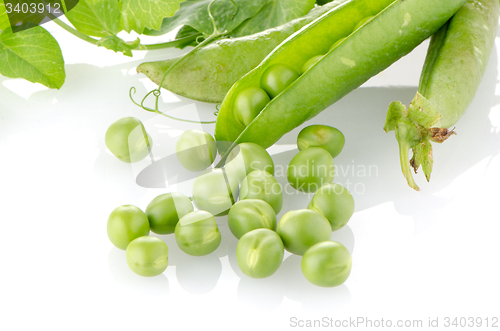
x,y
456,60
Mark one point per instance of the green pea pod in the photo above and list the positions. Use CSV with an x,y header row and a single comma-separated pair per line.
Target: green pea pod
x,y
454,66
211,71
396,28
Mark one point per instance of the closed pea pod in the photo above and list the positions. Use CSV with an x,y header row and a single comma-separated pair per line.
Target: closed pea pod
x,y
456,60
395,29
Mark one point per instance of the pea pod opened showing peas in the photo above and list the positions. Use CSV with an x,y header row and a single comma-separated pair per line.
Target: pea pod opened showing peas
x,y
396,27
455,63
211,71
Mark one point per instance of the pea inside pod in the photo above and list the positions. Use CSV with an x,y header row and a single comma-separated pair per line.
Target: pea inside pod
x,y
395,29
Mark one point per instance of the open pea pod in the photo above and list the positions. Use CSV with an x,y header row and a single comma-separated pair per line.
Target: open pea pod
x,y
397,27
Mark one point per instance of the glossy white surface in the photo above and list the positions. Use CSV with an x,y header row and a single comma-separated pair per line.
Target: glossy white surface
x,y
416,255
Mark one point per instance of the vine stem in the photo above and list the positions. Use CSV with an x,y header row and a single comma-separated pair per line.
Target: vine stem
x,y
147,47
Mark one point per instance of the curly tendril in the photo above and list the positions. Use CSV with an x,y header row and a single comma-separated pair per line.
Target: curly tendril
x,y
157,92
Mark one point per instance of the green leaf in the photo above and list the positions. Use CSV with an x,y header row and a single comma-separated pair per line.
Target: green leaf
x,y
98,18
275,13
195,14
4,18
422,111
185,32
119,45
140,14
394,115
32,54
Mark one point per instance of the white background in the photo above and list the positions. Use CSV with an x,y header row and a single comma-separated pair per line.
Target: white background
x,y
416,255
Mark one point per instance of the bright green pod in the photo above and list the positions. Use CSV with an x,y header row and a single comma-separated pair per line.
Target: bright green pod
x,y
396,28
259,253
147,256
456,60
326,264
209,73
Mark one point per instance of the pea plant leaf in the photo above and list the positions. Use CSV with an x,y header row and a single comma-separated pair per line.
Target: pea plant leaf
x,y
118,45
140,14
195,14
98,18
32,54
273,14
4,18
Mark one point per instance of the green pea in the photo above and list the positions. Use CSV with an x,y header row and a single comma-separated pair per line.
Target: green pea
x,y
196,150
147,256
300,229
165,210
276,78
197,233
324,136
334,202
363,22
260,184
310,169
259,253
250,214
335,44
125,223
128,140
309,63
215,191
326,264
248,104
247,157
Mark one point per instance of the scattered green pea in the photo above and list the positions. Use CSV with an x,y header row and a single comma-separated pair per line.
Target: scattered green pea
x,y
276,78
250,214
247,157
197,233
248,104
215,191
260,184
300,229
125,223
310,169
324,136
165,210
147,256
326,264
259,253
309,63
128,140
196,150
334,202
